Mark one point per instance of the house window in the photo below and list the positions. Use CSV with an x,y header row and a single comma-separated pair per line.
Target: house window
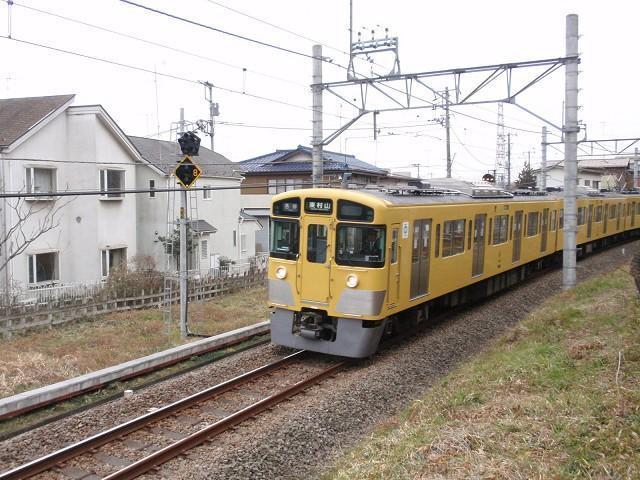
x,y
291,184
43,267
453,237
500,229
587,183
41,180
243,242
204,249
596,184
152,187
206,193
112,258
532,224
111,181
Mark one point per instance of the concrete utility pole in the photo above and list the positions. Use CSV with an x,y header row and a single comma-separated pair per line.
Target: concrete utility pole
x,y
508,160
570,129
635,170
543,164
446,126
184,294
316,139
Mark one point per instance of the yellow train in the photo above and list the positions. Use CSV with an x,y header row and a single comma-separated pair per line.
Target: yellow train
x,y
346,265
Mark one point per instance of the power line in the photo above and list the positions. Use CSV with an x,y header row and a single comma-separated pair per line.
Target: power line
x,y
168,75
231,34
156,44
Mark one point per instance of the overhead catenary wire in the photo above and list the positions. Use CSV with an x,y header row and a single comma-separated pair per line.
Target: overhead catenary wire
x,y
157,44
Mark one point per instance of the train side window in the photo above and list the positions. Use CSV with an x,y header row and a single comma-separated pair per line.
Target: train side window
x,y
598,217
437,249
500,229
317,243
469,235
561,219
394,245
581,215
638,208
453,237
510,228
552,223
532,224
489,231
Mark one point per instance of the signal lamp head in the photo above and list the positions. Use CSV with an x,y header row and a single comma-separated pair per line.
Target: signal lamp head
x,y
281,273
352,280
189,143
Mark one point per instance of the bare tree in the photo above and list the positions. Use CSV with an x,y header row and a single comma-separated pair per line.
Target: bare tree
x,y
32,219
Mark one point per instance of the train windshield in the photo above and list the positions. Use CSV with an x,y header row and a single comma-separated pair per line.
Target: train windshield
x,y
285,239
361,246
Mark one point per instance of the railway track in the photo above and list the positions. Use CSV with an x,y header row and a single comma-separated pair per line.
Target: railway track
x,y
142,444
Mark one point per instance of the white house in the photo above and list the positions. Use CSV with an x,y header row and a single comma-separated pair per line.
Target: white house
x,y
48,145
222,228
596,173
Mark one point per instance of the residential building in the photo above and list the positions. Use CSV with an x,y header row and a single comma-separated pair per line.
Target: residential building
x,y
285,170
220,226
48,145
596,173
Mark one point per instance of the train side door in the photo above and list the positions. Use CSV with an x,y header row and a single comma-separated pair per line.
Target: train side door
x,y
479,236
394,265
316,271
545,230
517,236
420,251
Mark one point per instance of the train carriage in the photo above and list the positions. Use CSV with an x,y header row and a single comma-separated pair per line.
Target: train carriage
x,y
346,265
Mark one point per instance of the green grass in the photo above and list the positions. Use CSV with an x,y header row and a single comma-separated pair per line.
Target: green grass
x,y
558,396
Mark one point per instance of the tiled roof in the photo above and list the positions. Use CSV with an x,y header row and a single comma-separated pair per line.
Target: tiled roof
x,y
165,155
19,115
594,163
332,161
202,226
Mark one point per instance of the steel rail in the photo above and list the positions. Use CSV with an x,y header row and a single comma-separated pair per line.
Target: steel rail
x,y
161,456
51,460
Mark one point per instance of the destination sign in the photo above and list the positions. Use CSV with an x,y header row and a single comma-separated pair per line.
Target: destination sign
x,y
287,208
318,205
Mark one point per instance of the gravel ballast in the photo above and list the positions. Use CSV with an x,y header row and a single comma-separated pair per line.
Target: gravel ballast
x,y
300,438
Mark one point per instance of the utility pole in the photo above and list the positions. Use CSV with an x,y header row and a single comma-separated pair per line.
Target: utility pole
x,y
316,139
508,160
214,109
635,170
543,164
184,294
446,126
570,130
501,163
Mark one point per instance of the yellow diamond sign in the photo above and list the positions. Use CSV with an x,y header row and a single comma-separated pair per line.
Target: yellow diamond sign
x,y
187,172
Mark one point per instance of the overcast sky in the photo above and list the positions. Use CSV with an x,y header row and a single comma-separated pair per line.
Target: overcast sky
x,y
433,35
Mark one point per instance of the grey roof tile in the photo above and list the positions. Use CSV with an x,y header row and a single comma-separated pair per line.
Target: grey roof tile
x,y
165,155
19,115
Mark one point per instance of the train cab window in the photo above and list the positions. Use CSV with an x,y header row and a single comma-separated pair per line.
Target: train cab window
x,y
500,229
453,237
317,243
352,211
360,246
532,224
284,239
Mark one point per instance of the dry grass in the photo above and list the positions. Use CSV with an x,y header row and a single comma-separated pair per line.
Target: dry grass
x,y
42,357
556,397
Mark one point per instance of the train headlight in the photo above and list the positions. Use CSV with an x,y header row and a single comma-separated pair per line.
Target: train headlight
x,y
281,273
352,280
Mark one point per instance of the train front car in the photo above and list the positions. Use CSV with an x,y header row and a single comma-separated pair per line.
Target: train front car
x,y
328,271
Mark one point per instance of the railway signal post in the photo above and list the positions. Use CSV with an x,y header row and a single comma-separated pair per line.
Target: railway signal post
x,y
186,173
